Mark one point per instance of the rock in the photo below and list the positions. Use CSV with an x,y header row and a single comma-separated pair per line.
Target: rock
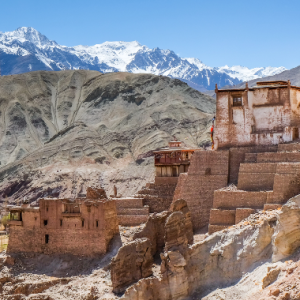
x,y
275,292
154,230
270,277
9,260
132,262
286,238
220,259
175,232
181,205
95,193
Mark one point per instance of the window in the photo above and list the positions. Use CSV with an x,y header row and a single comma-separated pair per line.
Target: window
x,y
96,223
208,171
47,208
60,222
82,223
46,238
237,101
45,222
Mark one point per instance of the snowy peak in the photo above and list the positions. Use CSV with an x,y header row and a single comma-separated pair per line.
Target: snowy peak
x,y
198,63
26,49
246,74
26,34
115,54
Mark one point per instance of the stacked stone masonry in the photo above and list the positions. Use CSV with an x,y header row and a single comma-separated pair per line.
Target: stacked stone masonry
x,y
265,181
159,195
261,184
131,211
208,172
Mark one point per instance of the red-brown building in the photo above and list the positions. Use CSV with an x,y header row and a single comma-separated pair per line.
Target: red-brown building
x,y
81,227
172,161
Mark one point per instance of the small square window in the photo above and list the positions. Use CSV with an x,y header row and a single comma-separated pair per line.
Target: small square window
x,y
45,222
46,238
237,101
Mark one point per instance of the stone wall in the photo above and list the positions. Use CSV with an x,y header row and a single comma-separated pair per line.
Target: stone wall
x,y
131,211
158,196
208,172
238,155
256,177
234,199
222,217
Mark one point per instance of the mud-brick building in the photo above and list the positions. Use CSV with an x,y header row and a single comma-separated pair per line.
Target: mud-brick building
x,y
265,114
171,161
256,162
81,227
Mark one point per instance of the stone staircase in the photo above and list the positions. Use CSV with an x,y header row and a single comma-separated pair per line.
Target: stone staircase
x,y
131,211
153,198
265,181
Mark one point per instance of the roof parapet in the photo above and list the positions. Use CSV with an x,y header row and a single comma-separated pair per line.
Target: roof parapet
x,y
274,82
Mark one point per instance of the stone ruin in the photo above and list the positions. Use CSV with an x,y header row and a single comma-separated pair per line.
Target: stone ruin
x,y
84,226
167,231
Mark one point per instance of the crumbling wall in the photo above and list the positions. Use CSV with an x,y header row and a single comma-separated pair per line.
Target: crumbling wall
x,y
50,230
208,172
154,230
132,262
158,196
155,227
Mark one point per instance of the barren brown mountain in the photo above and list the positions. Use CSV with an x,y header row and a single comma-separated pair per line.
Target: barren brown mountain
x,y
60,130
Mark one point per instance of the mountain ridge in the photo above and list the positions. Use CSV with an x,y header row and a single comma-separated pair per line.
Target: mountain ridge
x,y
26,49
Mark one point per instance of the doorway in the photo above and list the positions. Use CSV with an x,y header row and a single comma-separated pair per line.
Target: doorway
x,y
295,134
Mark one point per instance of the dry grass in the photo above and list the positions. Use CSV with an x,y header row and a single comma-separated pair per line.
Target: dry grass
x,y
3,242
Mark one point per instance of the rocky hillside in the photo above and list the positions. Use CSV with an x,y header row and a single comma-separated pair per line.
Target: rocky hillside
x,y
26,49
63,130
258,258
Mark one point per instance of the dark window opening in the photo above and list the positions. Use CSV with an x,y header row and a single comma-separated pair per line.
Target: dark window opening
x,y
174,171
45,222
208,171
60,222
295,134
46,208
46,238
35,218
96,223
82,223
237,101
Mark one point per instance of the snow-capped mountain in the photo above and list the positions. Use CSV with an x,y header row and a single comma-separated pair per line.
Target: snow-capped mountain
x,y
25,49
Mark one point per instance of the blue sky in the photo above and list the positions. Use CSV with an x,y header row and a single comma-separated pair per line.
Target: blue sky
x,y
249,33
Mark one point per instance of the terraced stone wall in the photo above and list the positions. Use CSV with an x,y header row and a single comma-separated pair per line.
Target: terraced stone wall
x,y
208,172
